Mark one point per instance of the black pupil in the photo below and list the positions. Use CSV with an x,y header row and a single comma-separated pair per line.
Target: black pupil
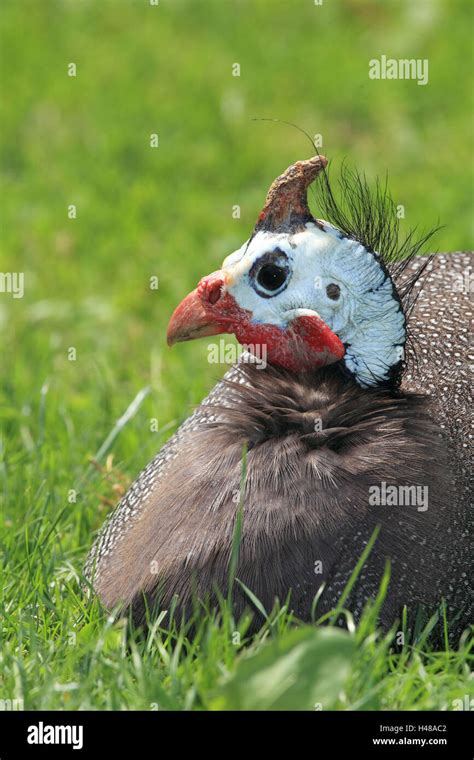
x,y
271,276
333,291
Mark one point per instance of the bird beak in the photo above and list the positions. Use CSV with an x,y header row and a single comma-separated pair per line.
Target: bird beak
x,y
196,315
190,320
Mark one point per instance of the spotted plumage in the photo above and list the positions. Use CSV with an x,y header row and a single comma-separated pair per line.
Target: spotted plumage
x,y
318,439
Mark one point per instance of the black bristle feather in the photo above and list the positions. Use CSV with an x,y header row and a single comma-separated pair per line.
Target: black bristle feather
x,y
369,216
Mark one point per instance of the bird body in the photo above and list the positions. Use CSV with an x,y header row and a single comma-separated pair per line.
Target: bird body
x,y
338,417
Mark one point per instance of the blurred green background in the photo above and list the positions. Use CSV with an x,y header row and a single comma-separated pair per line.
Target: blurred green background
x,y
166,212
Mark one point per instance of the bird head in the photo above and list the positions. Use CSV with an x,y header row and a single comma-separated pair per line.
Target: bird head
x,y
301,292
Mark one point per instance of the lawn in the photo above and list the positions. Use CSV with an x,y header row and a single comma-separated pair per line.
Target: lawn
x,y
94,215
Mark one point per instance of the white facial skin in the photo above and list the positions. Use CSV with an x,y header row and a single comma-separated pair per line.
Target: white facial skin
x,y
365,314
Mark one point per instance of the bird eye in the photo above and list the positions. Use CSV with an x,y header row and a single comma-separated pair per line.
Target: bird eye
x,y
270,273
333,291
271,276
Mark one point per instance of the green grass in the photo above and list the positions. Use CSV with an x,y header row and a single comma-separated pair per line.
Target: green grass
x,y
167,212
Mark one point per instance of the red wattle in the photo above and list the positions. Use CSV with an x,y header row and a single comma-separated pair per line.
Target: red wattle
x,y
307,343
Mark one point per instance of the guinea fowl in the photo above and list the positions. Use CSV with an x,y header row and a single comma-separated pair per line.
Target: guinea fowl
x,y
358,418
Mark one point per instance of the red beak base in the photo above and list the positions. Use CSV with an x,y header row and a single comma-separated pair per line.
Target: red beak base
x,y
190,320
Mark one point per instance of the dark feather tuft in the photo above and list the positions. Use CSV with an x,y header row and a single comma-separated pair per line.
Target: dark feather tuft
x,y
368,215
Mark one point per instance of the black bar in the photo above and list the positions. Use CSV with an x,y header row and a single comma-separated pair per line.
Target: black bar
x,y
110,734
